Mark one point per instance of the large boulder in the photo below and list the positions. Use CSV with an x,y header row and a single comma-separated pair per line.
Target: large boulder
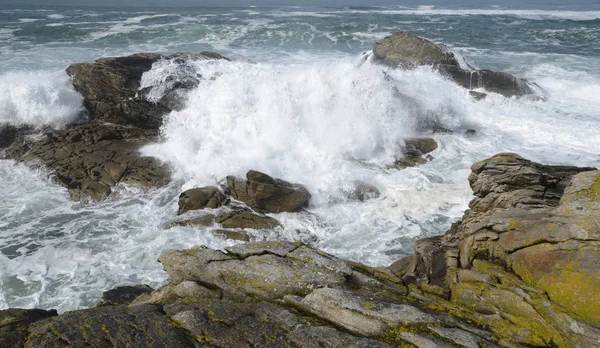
x,y
89,160
263,193
415,152
111,87
405,50
200,198
527,250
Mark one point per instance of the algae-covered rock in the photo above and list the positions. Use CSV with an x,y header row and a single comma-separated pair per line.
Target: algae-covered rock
x,y
524,258
14,325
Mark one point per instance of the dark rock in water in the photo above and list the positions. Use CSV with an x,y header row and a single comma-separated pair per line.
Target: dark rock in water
x,y
477,95
110,88
9,134
414,151
234,217
200,198
493,81
403,49
527,250
91,159
363,191
14,325
263,193
470,133
124,295
231,234
110,326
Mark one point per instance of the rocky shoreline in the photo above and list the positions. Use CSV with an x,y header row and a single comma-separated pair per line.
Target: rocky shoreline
x,y
520,269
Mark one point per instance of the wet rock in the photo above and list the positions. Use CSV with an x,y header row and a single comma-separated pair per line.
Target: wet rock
x,y
405,50
415,152
124,295
89,160
363,191
234,217
263,193
470,133
110,88
231,234
110,326
14,325
200,198
477,95
9,134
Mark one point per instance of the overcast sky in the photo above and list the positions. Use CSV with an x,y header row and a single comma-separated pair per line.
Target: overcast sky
x,y
578,4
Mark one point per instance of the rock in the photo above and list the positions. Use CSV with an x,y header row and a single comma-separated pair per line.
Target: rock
x,y
89,160
14,325
231,234
363,191
477,95
200,198
110,326
110,88
470,133
234,217
9,134
405,50
263,193
124,295
358,314
414,151
493,81
523,259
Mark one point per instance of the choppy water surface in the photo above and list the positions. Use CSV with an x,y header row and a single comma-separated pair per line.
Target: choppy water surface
x,y
306,112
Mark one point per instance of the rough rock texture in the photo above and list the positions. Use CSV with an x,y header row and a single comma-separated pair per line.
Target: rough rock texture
x,y
9,134
403,49
110,88
263,193
229,217
414,151
89,160
524,258
124,294
15,322
200,198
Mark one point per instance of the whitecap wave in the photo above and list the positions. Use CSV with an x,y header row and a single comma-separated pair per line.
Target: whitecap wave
x,y
38,98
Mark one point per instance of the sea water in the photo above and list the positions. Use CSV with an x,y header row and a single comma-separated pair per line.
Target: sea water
x,y
297,103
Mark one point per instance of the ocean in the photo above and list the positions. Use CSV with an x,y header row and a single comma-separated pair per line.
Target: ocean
x,y
305,112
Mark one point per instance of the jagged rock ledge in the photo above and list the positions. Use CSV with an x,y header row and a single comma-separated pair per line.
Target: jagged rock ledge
x,y
520,269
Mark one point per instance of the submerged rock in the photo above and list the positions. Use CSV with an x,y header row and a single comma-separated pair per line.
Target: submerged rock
x,y
263,193
414,151
405,50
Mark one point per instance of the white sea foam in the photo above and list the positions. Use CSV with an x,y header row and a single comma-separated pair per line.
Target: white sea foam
x,y
527,14
38,98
